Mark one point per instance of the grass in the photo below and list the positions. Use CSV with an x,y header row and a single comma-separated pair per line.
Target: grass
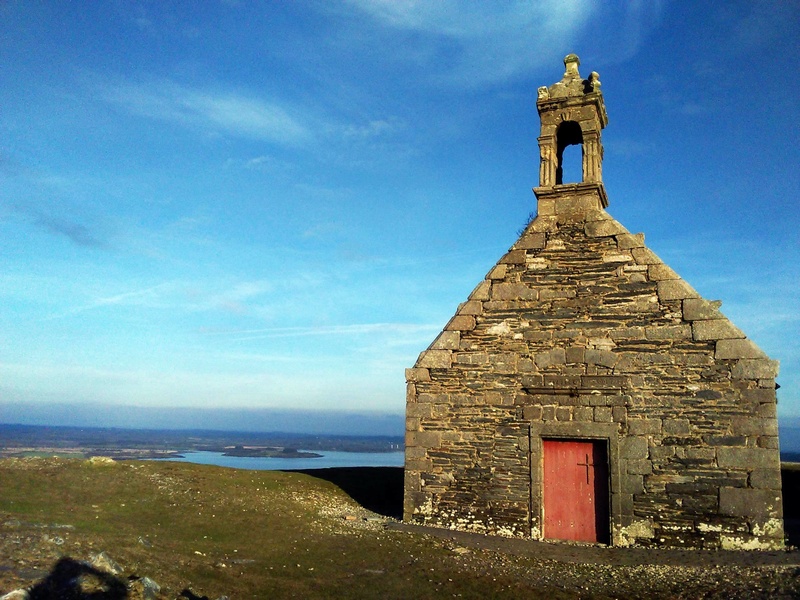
x,y
262,534
245,534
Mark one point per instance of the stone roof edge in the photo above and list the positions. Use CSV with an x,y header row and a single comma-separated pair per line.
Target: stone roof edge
x,y
708,323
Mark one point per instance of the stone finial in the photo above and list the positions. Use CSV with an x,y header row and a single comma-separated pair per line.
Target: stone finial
x,y
572,62
543,93
594,82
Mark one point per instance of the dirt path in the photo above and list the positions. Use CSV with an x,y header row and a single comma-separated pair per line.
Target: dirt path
x,y
601,555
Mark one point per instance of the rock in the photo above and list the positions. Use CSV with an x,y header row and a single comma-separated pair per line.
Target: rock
x,y
104,562
16,595
143,588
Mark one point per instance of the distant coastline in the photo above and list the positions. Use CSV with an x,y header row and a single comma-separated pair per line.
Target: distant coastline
x,y
143,444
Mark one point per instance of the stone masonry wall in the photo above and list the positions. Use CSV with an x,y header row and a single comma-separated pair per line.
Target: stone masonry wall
x,y
581,331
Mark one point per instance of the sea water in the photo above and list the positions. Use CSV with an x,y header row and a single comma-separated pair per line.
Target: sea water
x,y
327,460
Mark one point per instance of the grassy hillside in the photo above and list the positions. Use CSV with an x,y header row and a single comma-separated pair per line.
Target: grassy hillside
x,y
266,534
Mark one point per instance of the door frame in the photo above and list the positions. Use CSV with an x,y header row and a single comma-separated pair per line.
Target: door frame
x,y
595,432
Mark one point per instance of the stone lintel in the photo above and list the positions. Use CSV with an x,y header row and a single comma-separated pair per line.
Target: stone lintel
x,y
563,197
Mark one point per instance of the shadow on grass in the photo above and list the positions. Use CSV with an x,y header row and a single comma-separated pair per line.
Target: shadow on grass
x,y
73,580
379,489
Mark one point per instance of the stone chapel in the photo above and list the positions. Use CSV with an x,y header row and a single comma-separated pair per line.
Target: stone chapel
x,y
584,391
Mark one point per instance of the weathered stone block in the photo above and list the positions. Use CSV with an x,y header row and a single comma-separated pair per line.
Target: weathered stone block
x,y
536,263
698,309
769,479
426,439
626,241
767,411
563,413
435,359
471,358
744,458
471,307
659,453
514,257
661,272
767,441
631,484
447,340
504,362
753,426
738,349
604,228
717,329
638,426
633,448
747,502
514,291
531,241
544,223
675,289
556,293
759,368
611,257
601,357
416,374
533,413
418,464
583,413
461,323
668,332
645,256
759,395
639,467
676,426
556,356
603,382
419,409
627,333
482,291
575,354
603,414
498,272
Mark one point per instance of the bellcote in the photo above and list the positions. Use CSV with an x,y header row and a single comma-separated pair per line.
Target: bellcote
x,y
572,112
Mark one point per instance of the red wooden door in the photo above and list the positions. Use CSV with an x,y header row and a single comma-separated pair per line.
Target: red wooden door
x,y
575,490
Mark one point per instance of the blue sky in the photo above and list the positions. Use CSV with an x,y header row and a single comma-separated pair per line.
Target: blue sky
x,y
278,205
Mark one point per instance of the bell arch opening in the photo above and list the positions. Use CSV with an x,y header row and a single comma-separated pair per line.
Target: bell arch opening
x,y
569,133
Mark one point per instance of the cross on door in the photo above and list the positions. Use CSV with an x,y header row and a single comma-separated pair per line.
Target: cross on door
x,y
586,464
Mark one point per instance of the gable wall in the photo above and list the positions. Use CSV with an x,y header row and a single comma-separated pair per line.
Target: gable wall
x,y
581,331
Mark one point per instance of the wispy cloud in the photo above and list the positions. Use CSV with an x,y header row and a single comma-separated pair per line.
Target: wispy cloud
x,y
75,232
149,296
70,228
225,112
486,41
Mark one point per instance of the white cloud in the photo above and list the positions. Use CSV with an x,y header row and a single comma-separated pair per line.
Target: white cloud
x,y
491,41
225,112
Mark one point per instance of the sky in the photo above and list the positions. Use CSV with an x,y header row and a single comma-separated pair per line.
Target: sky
x,y
275,206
